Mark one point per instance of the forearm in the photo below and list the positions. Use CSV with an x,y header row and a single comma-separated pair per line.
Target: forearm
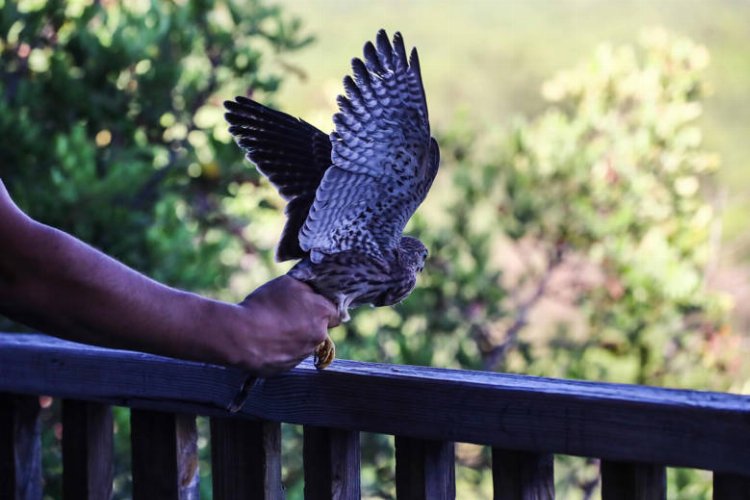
x,y
56,283
52,281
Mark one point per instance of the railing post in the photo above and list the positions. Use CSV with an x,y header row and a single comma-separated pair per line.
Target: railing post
x,y
521,475
625,480
20,447
731,487
165,455
246,459
425,469
87,450
331,463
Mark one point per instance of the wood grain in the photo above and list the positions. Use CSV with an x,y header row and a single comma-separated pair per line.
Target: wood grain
x,y
520,475
246,459
625,481
331,464
87,450
20,448
616,422
731,487
164,455
425,469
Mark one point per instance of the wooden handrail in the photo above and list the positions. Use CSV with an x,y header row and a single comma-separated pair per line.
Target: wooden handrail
x,y
615,422
635,431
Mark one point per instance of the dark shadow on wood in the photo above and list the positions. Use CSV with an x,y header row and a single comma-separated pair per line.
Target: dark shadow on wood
x,y
731,487
522,475
626,481
425,469
331,464
87,450
246,459
20,448
165,455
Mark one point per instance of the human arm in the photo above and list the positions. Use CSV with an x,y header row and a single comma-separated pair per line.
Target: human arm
x,y
54,282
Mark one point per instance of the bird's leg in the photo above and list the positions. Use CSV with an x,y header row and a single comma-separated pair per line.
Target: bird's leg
x,y
325,353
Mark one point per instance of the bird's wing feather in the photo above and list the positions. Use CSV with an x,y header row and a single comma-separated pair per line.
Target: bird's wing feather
x,y
290,152
384,160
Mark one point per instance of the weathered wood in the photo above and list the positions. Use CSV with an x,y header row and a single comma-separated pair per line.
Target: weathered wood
x,y
331,464
521,475
20,448
425,469
246,459
731,487
87,450
625,481
612,421
165,455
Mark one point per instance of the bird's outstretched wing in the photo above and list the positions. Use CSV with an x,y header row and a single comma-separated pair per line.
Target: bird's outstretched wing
x,y
384,160
293,154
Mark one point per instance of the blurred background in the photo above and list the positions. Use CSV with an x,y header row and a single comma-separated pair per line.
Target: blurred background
x,y
588,220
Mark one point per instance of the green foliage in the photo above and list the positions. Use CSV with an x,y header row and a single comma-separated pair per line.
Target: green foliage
x,y
111,129
603,193
111,125
596,206
620,162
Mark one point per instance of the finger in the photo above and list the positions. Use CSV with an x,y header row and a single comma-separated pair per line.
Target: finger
x,y
321,333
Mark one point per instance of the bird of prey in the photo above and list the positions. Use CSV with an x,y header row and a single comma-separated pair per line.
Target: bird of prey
x,y
349,195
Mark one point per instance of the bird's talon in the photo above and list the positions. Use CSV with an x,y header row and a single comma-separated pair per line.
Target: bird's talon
x,y
243,394
324,354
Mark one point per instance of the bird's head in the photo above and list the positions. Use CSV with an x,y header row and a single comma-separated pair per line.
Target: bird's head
x,y
413,253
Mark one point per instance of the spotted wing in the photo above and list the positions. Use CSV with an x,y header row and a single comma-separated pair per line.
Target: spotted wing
x,y
290,152
384,160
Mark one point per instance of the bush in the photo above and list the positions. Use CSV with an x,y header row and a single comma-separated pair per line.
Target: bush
x,y
111,128
111,123
574,244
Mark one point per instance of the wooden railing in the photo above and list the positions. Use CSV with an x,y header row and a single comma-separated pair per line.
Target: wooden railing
x,y
636,431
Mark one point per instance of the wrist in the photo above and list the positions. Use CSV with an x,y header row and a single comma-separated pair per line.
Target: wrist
x,y
235,341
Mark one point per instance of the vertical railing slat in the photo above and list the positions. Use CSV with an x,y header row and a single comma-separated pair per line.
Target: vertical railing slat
x,y
186,442
165,455
625,480
731,487
425,469
246,459
20,447
331,463
521,475
87,450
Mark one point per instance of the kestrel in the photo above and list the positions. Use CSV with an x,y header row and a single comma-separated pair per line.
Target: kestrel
x,y
350,194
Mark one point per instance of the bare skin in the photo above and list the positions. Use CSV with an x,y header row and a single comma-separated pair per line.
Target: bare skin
x,y
52,281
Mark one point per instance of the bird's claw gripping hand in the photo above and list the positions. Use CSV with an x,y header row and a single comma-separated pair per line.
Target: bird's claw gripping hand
x,y
324,354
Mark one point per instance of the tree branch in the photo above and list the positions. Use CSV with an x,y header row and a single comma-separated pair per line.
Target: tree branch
x,y
495,355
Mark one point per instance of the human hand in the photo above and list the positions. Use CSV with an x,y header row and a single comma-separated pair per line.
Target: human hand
x,y
288,321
